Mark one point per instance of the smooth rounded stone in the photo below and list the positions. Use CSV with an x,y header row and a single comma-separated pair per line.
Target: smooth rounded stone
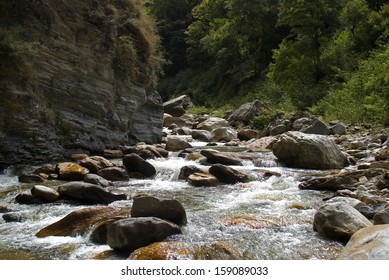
x,y
383,154
347,200
214,156
246,112
97,180
223,134
355,145
14,217
166,209
317,127
99,230
184,131
371,243
174,122
278,129
162,251
228,175
250,222
96,163
89,193
380,164
133,233
31,178
338,129
175,144
78,157
71,171
135,163
212,123
218,250
188,170
338,221
262,144
45,194
81,221
140,148
27,198
369,211
201,135
45,169
203,180
300,150
248,134
114,173
176,107
301,123
108,153
382,216
4,209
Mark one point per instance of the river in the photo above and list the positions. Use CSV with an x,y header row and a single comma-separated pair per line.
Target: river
x,y
267,219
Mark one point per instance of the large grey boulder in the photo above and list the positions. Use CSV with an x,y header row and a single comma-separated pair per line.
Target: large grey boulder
x,y
212,123
300,150
339,221
133,233
371,243
246,112
223,134
135,163
176,107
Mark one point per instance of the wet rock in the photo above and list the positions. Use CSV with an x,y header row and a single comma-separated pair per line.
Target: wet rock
x,y
134,163
250,222
227,174
112,153
45,194
188,170
89,193
114,173
223,134
218,250
162,251
369,211
14,217
346,200
31,178
81,221
166,209
248,134
97,180
140,148
262,144
133,233
78,157
380,164
95,163
383,154
176,144
201,135
382,216
212,123
99,231
177,106
338,221
203,180
71,171
3,209
301,150
27,198
371,243
45,169
214,157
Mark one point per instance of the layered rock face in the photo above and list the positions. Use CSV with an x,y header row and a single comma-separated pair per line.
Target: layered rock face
x,y
76,75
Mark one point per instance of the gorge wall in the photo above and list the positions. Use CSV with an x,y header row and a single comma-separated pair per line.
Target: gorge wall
x,y
76,76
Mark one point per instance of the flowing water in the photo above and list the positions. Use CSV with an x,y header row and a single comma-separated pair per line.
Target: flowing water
x,y
264,219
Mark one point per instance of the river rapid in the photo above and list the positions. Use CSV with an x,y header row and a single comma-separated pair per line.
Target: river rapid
x,y
267,219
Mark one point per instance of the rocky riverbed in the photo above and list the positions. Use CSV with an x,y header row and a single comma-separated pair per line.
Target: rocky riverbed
x,y
212,190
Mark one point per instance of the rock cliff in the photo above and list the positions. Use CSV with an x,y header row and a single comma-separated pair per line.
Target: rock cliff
x,y
76,76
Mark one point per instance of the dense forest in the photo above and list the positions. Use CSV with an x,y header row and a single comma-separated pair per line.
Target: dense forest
x,y
325,57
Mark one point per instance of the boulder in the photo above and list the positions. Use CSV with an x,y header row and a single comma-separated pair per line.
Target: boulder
x,y
246,134
214,156
212,123
133,233
89,193
370,243
14,217
71,171
201,135
317,127
27,198
114,173
218,250
382,216
45,194
81,221
167,209
176,107
140,148
109,153
301,123
31,178
162,251
188,170
45,169
177,144
380,164
246,113
300,150
223,134
97,180
338,221
262,144
96,163
203,180
338,129
227,174
134,163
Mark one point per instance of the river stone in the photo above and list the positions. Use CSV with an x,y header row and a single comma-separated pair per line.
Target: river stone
x,y
300,150
89,193
212,123
203,180
382,216
81,221
317,127
380,164
3,209
133,233
162,251
227,174
31,178
338,129
14,217
114,173
167,209
97,180
214,157
262,144
140,148
246,134
45,169
135,163
96,163
175,144
246,112
223,134
45,194
338,221
176,107
218,250
71,171
27,198
188,170
201,135
109,153
371,243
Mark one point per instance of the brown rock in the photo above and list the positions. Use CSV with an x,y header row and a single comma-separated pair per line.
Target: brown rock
x,y
162,251
203,180
71,171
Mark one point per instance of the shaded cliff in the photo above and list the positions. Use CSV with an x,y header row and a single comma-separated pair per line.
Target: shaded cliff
x,y
76,76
